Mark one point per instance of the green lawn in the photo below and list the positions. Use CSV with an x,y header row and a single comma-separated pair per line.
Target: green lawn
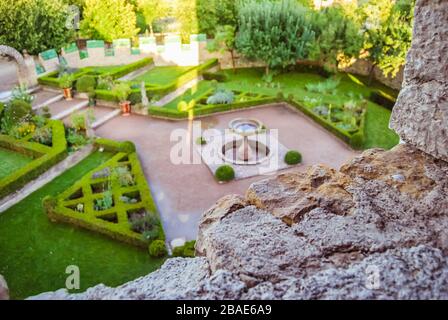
x,y
11,161
35,252
161,76
250,80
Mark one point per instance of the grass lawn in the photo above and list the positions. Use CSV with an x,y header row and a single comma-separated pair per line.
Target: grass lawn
x,y
250,80
161,76
35,252
11,161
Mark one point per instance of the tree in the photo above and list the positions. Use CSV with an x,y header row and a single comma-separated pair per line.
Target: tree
x,y
152,10
388,32
224,41
277,33
34,25
186,13
108,20
337,34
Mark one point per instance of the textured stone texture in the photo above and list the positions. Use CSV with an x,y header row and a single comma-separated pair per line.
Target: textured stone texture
x,y
4,291
420,115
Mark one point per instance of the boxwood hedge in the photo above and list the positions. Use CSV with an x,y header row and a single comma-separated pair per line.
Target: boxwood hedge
x,y
76,205
44,157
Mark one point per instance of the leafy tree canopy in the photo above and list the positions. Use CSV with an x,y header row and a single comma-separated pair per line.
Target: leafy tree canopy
x,y
108,20
34,25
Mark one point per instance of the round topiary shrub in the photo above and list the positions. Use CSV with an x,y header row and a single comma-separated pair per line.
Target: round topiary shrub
x,y
293,157
225,173
85,84
157,249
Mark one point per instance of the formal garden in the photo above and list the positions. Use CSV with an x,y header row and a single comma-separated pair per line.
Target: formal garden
x,y
86,177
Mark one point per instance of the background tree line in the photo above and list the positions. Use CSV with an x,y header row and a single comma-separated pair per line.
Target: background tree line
x,y
277,32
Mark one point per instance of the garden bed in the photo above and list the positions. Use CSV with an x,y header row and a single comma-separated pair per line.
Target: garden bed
x,y
114,199
43,156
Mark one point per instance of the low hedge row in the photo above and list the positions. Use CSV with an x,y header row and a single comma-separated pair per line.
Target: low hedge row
x,y
151,91
51,79
208,109
355,140
113,222
44,157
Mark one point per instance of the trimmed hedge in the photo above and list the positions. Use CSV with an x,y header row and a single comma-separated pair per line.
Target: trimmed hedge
x,y
209,109
225,173
157,249
76,204
86,83
44,157
293,157
152,91
356,142
51,79
220,77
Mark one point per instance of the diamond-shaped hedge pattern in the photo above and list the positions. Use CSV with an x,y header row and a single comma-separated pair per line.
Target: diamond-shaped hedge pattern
x,y
114,199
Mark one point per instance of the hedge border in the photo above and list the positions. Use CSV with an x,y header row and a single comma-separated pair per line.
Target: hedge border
x,y
51,79
56,207
45,157
135,96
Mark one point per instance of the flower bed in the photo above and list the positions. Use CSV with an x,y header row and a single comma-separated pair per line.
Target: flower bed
x,y
114,199
44,156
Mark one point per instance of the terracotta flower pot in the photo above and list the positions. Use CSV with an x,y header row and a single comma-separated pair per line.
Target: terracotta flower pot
x,y
125,108
68,93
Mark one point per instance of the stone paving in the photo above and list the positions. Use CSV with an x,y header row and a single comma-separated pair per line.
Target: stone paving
x,y
184,191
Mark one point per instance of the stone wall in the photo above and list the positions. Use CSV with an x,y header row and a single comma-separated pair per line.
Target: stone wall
x,y
420,115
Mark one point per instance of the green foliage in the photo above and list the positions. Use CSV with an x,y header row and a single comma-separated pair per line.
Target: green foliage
x,y
43,136
34,26
85,83
157,249
225,173
20,93
388,32
108,20
324,87
336,33
66,80
153,10
122,91
78,121
293,157
105,202
15,112
201,140
224,41
44,157
187,250
124,176
277,33
221,96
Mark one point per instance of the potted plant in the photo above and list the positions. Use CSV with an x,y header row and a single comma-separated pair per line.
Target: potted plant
x,y
91,94
66,82
122,92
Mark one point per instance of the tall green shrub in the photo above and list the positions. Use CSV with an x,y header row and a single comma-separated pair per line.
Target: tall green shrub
x,y
34,25
153,10
108,20
277,33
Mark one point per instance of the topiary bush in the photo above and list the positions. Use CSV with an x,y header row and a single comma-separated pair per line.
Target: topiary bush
x,y
225,173
85,84
293,157
157,249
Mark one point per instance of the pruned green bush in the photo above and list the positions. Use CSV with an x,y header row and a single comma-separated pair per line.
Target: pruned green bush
x,y
293,157
85,83
225,173
218,76
157,249
187,250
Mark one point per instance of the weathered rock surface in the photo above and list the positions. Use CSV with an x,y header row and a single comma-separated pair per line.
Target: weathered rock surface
x,y
420,115
4,291
377,229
